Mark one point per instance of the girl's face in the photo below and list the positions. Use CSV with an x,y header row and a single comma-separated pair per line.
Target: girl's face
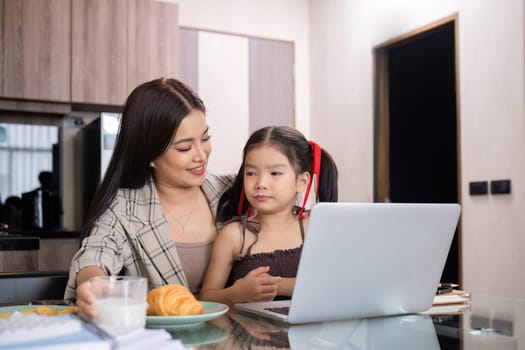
x,y
270,181
184,162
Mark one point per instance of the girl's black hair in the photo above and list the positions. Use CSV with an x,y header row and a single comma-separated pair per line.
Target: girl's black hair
x,y
298,150
151,116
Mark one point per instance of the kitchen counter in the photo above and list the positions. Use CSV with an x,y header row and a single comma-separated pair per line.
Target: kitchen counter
x,y
32,286
18,253
44,234
15,242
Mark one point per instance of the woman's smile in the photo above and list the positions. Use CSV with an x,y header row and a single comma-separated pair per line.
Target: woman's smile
x,y
200,170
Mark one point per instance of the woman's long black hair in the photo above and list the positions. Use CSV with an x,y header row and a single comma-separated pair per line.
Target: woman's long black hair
x,y
298,150
151,116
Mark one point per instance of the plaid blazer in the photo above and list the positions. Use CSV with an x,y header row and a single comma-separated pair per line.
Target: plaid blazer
x,y
132,237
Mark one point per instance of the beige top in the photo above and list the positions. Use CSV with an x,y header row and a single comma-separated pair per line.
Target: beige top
x,y
194,258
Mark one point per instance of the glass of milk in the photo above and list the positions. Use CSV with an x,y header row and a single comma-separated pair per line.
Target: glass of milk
x,y
120,300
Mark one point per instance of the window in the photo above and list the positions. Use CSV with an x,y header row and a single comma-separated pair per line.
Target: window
x,y
25,151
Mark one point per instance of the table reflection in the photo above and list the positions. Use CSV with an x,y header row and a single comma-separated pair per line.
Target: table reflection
x,y
490,323
236,331
201,334
400,332
245,332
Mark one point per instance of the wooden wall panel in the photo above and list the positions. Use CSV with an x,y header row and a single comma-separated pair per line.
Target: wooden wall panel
x,y
37,45
153,41
19,260
2,47
271,83
99,51
56,253
189,57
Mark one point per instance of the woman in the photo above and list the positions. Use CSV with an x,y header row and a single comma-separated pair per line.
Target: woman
x,y
153,214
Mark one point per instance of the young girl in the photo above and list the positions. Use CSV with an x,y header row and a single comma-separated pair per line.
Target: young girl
x,y
255,257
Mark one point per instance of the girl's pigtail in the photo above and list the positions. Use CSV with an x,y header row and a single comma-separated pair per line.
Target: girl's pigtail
x,y
316,169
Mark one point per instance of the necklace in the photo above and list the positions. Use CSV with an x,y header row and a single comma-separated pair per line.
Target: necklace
x,y
185,223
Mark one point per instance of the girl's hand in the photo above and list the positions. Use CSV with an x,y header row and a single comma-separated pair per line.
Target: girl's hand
x,y
258,285
86,300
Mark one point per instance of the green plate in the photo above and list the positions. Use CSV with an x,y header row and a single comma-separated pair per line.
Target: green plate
x,y
28,307
211,311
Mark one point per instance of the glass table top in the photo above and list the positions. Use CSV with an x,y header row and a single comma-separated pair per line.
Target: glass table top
x,y
485,323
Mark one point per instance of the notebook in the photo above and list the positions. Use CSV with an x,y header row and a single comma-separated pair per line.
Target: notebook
x,y
365,260
33,331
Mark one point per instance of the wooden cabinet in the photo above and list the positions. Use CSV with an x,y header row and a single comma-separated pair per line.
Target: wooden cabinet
x,y
85,51
19,254
153,41
56,253
119,44
99,51
19,261
2,47
36,41
271,83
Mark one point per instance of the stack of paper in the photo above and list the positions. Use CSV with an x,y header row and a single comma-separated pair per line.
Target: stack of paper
x,y
455,296
143,339
453,302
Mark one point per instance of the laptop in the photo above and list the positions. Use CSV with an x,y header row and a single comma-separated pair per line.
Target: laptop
x,y
366,260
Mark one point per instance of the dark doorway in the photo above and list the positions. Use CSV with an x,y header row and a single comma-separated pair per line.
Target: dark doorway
x,y
421,158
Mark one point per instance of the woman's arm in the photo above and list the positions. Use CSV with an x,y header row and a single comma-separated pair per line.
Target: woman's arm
x,y
101,254
86,273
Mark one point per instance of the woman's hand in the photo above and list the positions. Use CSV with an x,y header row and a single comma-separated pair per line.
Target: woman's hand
x,y
258,285
86,300
85,296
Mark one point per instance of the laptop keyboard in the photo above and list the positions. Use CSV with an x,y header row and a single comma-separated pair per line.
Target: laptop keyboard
x,y
280,310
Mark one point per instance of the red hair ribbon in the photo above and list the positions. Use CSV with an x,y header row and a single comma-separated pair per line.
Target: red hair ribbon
x,y
316,169
241,201
241,204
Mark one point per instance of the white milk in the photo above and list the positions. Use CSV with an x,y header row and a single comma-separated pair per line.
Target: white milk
x,y
121,312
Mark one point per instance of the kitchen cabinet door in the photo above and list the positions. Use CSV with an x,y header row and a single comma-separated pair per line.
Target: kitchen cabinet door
x,y
36,48
56,253
2,47
271,83
189,57
153,41
99,51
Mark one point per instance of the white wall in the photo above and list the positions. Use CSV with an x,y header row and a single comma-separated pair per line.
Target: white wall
x,y
224,87
223,64
492,115
269,19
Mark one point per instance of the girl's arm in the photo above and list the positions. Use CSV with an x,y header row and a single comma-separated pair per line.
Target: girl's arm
x,y
258,285
286,286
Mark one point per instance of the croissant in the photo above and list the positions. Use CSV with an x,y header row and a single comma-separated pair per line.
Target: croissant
x,y
173,300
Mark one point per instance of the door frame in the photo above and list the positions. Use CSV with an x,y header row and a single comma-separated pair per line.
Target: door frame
x,y
381,185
